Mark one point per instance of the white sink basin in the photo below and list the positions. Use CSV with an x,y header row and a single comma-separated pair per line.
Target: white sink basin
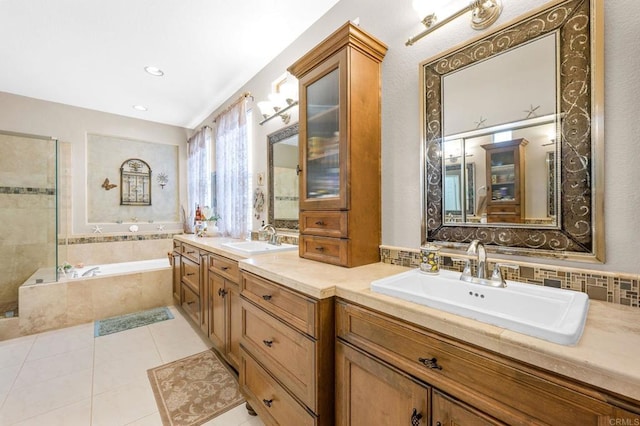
x,y
551,314
257,247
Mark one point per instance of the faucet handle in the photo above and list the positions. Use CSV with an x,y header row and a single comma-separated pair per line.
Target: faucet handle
x,y
496,275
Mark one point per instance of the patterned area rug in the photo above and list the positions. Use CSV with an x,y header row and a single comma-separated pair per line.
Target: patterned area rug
x,y
195,389
125,322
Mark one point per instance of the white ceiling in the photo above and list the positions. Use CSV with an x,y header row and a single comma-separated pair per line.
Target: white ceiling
x,y
92,53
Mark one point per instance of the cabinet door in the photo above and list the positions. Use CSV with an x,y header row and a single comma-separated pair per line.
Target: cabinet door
x,y
323,138
447,411
234,318
371,393
217,296
177,275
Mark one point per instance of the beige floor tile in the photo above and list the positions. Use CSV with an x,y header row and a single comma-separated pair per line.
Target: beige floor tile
x,y
115,373
234,417
15,351
46,396
123,405
150,420
43,369
77,414
8,376
133,342
62,341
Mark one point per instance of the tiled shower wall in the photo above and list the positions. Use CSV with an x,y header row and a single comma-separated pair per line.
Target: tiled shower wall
x,y
27,212
607,286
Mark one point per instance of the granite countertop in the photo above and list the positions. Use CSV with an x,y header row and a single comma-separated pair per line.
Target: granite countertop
x,y
605,356
211,244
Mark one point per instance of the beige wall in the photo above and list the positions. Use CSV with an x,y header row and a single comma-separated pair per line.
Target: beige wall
x,y
71,125
395,21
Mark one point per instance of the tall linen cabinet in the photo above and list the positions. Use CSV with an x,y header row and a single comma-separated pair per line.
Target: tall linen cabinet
x,y
340,114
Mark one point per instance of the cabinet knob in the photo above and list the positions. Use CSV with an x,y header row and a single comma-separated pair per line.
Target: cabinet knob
x,y
268,343
224,268
320,223
320,248
267,402
222,292
431,363
266,296
415,418
298,169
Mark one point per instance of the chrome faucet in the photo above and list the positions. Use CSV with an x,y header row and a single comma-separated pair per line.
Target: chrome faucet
x,y
477,249
91,272
273,234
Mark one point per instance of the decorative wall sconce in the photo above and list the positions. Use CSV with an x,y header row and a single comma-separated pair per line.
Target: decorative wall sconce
x,y
163,179
283,97
483,14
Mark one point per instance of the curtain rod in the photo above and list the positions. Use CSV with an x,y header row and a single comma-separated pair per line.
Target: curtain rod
x,y
227,109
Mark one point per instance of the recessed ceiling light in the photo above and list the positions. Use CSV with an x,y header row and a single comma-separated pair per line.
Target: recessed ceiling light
x,y
154,71
140,107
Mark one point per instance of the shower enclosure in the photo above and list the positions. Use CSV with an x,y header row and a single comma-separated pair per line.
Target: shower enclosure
x,y
28,213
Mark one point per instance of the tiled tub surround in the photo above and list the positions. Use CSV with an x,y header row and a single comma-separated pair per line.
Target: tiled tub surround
x,y
610,287
68,302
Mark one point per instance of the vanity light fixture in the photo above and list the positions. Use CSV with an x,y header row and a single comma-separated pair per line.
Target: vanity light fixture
x,y
155,71
483,14
282,98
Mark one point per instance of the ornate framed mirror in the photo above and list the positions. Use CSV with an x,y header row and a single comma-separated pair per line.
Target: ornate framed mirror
x,y
507,102
282,158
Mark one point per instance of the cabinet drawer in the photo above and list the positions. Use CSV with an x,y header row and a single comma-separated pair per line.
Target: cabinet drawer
x,y
324,249
191,275
504,209
297,310
268,398
190,303
177,245
285,352
482,379
191,252
323,223
226,267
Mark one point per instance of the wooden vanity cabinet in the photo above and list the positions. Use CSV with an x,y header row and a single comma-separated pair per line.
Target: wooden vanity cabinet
x,y
505,162
224,307
192,284
466,384
340,109
286,353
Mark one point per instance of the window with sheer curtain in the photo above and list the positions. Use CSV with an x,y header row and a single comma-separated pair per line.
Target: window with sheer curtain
x,y
198,171
232,170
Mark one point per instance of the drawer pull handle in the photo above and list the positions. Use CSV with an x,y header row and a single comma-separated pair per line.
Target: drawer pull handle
x,y
266,296
190,252
268,402
190,273
431,363
222,292
320,248
224,268
415,418
320,223
268,343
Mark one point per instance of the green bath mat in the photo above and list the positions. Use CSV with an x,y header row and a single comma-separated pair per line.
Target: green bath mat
x,y
125,322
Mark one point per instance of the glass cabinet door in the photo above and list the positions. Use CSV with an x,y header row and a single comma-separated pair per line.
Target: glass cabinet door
x,y
322,171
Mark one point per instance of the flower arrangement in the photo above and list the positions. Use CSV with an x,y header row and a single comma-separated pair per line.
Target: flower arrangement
x,y
210,216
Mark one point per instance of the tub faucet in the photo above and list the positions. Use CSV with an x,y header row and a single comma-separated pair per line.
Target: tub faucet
x,y
91,272
273,234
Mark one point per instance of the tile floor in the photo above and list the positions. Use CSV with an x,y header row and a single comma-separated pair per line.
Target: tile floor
x,y
69,378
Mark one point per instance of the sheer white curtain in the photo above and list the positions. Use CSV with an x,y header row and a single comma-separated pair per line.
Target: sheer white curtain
x,y
232,170
198,171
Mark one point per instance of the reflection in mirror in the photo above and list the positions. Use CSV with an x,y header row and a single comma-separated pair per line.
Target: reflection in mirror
x,y
283,178
523,105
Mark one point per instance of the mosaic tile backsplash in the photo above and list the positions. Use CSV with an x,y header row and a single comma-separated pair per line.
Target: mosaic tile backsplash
x,y
607,286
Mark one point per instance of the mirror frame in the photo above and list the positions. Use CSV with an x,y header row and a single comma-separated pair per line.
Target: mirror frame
x,y
579,234
273,138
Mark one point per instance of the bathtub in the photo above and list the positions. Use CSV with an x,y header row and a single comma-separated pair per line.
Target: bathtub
x,y
118,289
116,269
